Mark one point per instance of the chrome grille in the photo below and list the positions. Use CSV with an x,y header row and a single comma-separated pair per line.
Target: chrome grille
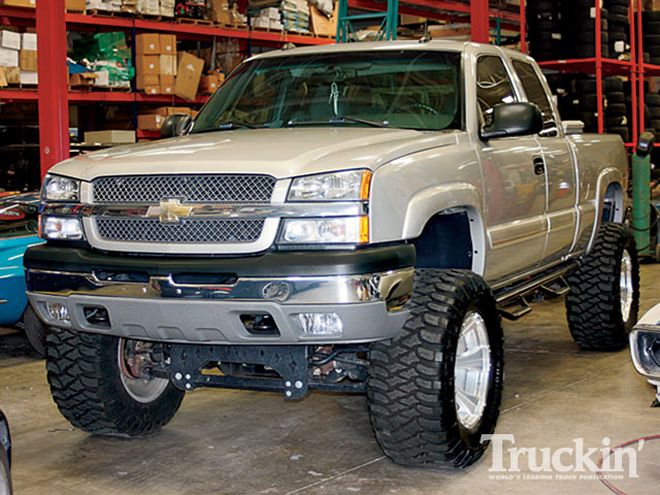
x,y
186,231
188,188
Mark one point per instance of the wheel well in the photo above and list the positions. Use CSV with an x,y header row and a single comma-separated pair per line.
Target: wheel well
x,y
613,204
445,242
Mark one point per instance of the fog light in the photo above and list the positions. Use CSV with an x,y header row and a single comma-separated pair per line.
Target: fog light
x,y
317,324
61,228
57,311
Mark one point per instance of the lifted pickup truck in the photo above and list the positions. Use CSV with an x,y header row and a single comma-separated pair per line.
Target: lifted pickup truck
x,y
349,218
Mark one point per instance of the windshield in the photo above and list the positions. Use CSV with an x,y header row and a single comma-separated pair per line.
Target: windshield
x,y
400,89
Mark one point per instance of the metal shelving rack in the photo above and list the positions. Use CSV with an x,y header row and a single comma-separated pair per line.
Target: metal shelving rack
x,y
602,67
53,94
481,16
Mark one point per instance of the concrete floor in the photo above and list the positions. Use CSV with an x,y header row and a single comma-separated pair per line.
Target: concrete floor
x,y
230,442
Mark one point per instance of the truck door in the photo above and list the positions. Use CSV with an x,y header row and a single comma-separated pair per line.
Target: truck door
x,y
559,165
514,193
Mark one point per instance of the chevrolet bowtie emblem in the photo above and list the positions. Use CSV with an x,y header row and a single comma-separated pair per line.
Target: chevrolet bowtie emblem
x,y
169,211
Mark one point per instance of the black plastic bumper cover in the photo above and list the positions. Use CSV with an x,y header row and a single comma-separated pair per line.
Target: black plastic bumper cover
x,y
285,263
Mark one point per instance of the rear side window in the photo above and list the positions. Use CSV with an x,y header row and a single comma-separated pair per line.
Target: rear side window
x,y
493,83
535,92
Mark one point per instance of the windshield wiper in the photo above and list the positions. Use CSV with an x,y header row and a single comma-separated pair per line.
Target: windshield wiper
x,y
338,120
228,126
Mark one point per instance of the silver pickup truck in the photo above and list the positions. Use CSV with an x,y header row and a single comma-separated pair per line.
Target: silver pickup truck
x,y
351,218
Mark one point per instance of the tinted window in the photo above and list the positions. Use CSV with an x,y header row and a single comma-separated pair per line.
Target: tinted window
x,y
493,83
534,91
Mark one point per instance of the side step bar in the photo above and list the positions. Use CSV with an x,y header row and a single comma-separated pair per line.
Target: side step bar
x,y
511,299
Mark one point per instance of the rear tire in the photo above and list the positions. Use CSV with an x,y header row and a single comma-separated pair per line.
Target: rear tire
x,y
87,384
413,387
601,312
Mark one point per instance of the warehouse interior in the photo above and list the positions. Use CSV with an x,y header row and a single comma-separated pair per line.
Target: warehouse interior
x,y
87,78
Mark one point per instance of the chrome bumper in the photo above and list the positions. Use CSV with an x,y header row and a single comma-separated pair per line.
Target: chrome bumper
x,y
371,306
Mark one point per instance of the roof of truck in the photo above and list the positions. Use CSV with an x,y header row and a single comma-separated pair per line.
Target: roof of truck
x,y
454,46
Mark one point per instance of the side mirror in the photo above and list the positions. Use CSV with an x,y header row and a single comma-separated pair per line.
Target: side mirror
x,y
175,125
513,119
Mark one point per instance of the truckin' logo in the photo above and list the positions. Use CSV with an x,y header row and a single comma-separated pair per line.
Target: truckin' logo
x,y
169,211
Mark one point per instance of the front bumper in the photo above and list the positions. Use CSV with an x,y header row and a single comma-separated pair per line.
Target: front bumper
x,y
206,300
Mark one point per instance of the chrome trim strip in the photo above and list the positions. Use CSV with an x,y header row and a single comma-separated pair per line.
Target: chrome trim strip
x,y
220,211
393,287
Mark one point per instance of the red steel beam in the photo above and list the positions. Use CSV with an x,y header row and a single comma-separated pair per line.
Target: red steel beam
x,y
54,78
479,21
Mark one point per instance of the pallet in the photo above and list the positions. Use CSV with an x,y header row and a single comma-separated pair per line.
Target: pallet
x,y
235,26
109,13
196,22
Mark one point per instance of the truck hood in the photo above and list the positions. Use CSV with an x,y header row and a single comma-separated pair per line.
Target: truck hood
x,y
281,153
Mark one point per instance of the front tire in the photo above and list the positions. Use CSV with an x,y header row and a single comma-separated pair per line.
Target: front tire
x,y
603,303
94,389
437,388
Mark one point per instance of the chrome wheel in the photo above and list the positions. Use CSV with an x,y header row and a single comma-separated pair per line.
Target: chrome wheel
x,y
472,371
626,287
135,362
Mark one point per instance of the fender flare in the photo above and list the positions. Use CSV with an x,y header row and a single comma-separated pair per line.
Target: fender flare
x,y
449,198
606,178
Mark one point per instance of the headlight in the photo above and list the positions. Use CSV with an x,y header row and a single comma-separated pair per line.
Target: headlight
x,y
352,185
58,188
61,229
346,230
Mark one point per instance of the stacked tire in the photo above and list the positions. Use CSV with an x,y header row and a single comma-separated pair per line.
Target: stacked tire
x,y
580,29
584,103
616,113
618,27
653,105
544,19
651,25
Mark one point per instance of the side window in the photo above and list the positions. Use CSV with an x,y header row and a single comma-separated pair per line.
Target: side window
x,y
493,84
535,92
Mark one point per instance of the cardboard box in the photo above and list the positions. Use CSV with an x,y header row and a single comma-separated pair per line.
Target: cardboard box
x,y
148,65
166,84
13,75
83,79
189,73
28,4
152,89
167,111
8,57
29,41
28,60
75,5
147,44
29,77
167,44
110,137
168,65
3,78
150,80
10,39
209,84
150,122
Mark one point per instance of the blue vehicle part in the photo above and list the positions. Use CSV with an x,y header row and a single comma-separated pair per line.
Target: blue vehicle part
x,y
12,277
